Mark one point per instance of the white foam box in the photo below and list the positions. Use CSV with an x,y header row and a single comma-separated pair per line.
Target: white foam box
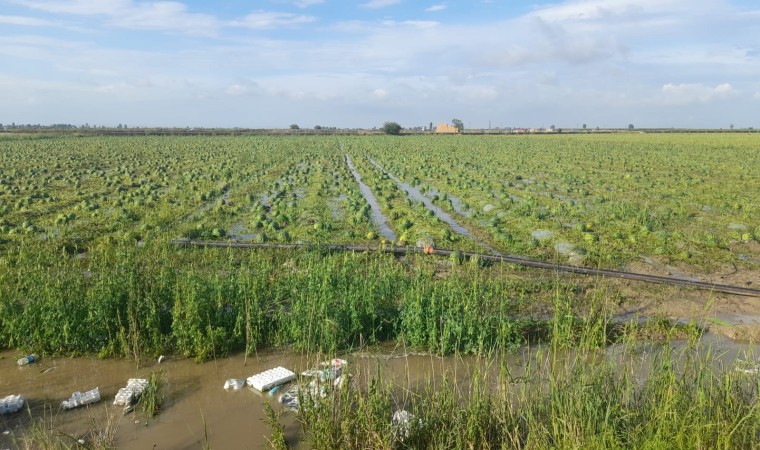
x,y
268,379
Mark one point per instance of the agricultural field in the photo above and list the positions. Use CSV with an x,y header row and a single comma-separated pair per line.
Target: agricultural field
x,y
92,218
88,267
600,200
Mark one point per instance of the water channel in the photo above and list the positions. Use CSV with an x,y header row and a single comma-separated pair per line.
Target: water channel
x,y
380,221
415,194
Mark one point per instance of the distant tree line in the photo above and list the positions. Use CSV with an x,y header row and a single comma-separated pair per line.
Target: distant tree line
x,y
29,126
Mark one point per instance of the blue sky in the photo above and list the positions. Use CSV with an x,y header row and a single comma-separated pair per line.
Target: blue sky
x,y
606,63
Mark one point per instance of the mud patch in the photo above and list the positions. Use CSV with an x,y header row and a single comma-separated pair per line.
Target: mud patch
x,y
734,316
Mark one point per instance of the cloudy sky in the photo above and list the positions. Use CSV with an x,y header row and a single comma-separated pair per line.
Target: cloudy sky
x,y
270,63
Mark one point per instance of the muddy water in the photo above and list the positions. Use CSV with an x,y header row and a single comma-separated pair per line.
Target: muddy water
x,y
194,393
380,221
234,420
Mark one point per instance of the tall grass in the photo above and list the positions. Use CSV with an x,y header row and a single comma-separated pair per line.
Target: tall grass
x,y
677,399
120,300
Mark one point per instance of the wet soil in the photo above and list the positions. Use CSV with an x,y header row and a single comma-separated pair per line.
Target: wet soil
x,y
734,316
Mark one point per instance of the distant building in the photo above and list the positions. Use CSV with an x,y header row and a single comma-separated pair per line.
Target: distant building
x,y
446,128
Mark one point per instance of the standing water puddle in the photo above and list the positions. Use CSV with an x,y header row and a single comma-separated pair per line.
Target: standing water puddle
x,y
377,216
195,399
415,194
198,408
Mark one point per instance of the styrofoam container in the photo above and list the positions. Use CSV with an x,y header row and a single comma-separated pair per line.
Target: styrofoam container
x,y
268,379
81,398
130,394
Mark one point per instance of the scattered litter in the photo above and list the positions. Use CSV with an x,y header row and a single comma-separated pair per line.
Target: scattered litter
x,y
275,390
131,394
29,359
289,398
331,370
11,404
79,399
327,373
6,432
748,367
81,441
161,359
270,378
313,390
128,409
403,423
49,369
233,384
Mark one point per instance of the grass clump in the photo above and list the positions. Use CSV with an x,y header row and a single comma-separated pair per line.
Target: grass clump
x,y
561,400
154,395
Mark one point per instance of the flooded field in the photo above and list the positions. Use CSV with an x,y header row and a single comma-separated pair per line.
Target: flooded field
x,y
416,195
199,411
87,267
380,221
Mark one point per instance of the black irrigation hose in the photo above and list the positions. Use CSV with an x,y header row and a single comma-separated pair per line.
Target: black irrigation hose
x,y
723,288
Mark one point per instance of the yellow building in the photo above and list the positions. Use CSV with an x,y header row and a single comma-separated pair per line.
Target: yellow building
x,y
446,128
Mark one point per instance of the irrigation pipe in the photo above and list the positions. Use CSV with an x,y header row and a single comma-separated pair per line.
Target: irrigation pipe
x,y
723,288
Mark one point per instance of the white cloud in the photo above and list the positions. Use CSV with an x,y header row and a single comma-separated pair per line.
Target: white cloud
x,y
418,24
246,87
307,3
165,16
586,10
267,20
578,60
377,4
379,94
25,21
436,7
156,15
80,7
690,93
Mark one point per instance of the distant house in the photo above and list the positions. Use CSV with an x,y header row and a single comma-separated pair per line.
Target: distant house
x,y
446,128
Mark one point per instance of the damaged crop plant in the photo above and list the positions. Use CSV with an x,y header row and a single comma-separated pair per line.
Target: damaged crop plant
x,y
87,268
